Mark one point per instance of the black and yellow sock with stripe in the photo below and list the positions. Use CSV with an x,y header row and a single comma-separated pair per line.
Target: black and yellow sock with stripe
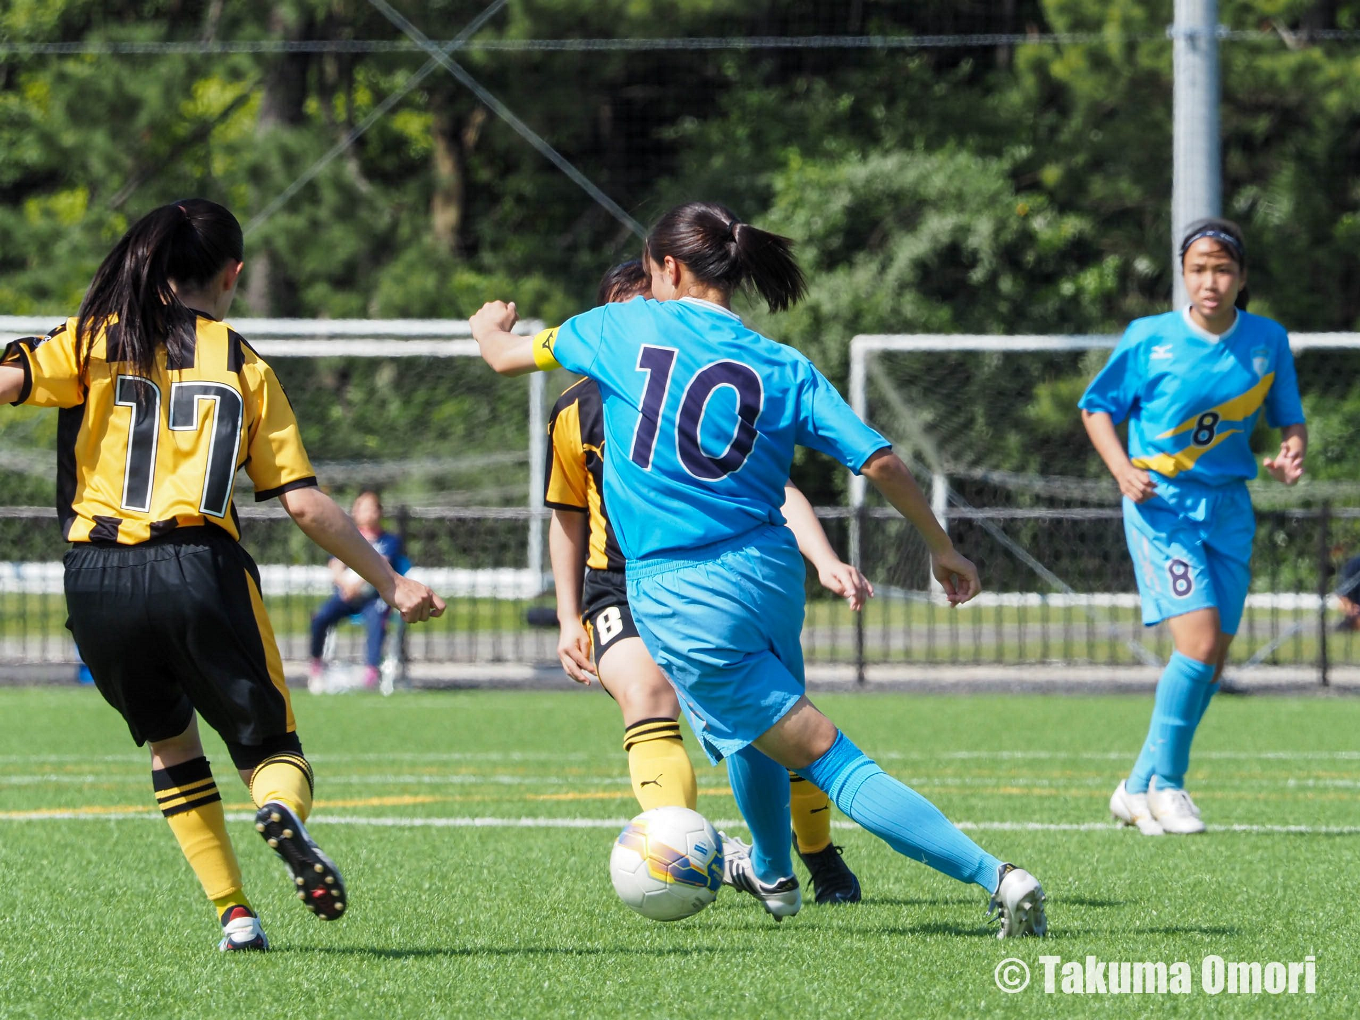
x,y
287,778
811,811
187,796
660,769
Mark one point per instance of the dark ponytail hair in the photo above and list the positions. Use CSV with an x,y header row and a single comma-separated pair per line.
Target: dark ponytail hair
x,y
188,242
724,252
627,278
1228,236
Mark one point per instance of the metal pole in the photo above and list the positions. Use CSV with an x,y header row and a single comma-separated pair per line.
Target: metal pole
x,y
1324,586
858,403
538,459
1197,174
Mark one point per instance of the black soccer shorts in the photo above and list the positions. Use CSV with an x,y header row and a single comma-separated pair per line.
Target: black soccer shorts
x,y
176,625
604,609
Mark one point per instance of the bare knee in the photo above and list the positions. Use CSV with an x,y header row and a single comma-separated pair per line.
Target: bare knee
x,y
628,673
178,749
798,739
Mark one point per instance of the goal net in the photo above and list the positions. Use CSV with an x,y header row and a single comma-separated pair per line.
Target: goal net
x,y
991,426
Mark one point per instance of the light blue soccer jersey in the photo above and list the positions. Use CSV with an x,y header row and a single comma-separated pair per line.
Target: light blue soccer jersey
x,y
1192,399
701,417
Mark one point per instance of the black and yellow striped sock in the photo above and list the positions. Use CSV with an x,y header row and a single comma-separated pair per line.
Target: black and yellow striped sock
x,y
187,796
660,769
811,810
285,777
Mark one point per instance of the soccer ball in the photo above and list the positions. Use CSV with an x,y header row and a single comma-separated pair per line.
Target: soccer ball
x,y
667,863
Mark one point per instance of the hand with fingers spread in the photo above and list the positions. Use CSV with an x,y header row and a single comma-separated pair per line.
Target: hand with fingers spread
x,y
1287,466
847,582
957,576
573,651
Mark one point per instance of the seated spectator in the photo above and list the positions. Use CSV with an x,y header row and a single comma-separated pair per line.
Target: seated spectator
x,y
354,596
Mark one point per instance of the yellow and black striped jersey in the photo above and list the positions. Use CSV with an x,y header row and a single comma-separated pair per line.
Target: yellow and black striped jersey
x,y
576,468
138,457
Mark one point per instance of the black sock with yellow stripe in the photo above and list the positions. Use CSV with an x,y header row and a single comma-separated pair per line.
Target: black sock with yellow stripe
x,y
660,769
187,796
285,777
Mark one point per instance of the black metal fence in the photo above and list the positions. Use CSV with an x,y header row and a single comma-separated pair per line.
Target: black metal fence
x,y
1060,594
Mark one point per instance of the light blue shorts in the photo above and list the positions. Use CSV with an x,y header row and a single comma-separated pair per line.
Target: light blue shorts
x,y
1191,547
725,623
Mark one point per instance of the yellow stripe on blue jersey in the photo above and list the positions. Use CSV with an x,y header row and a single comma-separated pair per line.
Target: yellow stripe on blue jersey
x,y
1192,399
576,469
138,457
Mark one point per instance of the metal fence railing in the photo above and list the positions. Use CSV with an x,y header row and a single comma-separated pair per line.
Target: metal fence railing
x,y
1060,593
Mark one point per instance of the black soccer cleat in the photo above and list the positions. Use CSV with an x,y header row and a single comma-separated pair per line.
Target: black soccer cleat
x,y
832,879
318,881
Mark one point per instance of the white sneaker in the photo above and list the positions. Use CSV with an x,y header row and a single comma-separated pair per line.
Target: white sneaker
x,y
1132,809
780,899
1174,810
1019,904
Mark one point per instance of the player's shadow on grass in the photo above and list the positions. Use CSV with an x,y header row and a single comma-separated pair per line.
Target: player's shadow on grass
x,y
414,952
918,901
1087,901
1188,929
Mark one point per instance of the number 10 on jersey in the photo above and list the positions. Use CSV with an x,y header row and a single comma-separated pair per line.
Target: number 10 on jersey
x,y
659,365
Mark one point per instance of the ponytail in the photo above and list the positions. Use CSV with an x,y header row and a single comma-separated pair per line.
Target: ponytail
x,y
187,242
723,252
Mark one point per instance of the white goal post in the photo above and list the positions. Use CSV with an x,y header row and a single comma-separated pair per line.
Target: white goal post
x,y
375,338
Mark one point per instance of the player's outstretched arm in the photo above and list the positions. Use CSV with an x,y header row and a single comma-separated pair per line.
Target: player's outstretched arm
x,y
834,575
11,383
322,520
503,350
894,479
567,538
1287,467
1134,482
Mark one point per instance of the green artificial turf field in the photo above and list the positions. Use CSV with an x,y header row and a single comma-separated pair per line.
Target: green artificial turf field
x,y
474,830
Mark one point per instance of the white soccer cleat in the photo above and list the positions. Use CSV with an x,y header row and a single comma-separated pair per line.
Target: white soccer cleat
x,y
243,931
1132,809
1174,811
733,849
780,899
1019,904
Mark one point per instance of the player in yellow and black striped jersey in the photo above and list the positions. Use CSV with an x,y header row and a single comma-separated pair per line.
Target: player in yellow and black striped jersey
x,y
141,454
159,403
595,617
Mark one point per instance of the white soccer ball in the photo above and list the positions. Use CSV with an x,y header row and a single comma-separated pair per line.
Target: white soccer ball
x,y
667,863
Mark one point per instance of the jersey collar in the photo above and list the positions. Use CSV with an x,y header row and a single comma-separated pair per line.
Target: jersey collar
x,y
1204,334
709,304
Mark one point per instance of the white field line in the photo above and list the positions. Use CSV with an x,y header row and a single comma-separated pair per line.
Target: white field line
x,y
380,781
511,756
616,823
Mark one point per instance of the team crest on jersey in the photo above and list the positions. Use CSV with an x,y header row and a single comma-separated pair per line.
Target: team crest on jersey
x,y
1260,361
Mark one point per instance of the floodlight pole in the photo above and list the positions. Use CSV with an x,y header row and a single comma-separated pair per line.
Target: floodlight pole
x,y
1197,171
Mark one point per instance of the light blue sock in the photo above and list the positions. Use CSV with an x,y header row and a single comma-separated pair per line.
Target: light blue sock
x,y
1183,694
899,815
761,786
1209,691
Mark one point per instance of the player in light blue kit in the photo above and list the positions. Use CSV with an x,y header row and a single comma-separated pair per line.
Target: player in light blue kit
x,y
701,419
1192,384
